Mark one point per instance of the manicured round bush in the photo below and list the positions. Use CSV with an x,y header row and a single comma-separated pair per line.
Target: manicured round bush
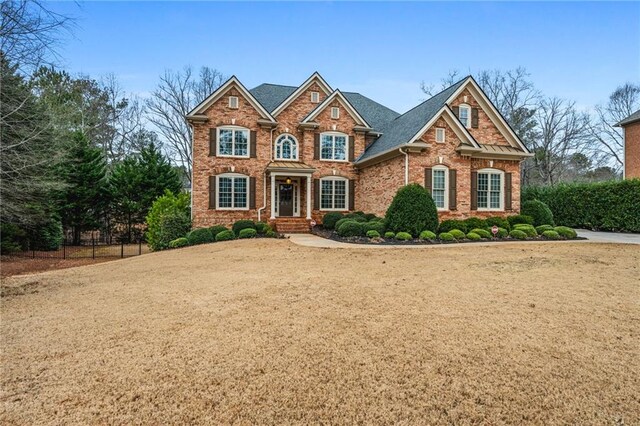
x,y
518,235
551,235
370,217
248,233
357,216
475,223
502,233
498,221
373,234
566,232
260,227
389,234
448,225
242,224
473,236
527,229
457,234
427,235
351,228
404,236
329,220
519,218
540,229
539,211
446,236
200,236
179,242
374,225
271,233
482,232
412,210
341,221
216,229
225,236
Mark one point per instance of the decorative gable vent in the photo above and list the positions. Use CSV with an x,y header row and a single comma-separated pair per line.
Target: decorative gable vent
x,y
335,112
233,102
315,97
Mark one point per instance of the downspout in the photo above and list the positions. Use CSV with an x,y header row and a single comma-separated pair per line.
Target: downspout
x,y
264,183
406,166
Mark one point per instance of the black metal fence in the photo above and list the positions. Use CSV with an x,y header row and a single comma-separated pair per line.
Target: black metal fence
x,y
87,249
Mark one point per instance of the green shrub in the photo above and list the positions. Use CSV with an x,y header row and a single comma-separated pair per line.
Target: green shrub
x,y
266,230
389,234
540,229
373,234
374,225
475,223
527,229
551,235
47,235
341,221
518,234
329,220
242,224
566,232
518,219
178,242
216,229
370,216
357,216
473,236
607,206
351,228
450,224
11,238
427,235
502,233
445,236
498,221
261,227
168,219
271,233
248,233
200,236
404,236
539,211
226,235
482,232
457,234
412,210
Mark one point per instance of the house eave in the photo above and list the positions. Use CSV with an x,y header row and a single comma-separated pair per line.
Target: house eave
x,y
393,152
197,118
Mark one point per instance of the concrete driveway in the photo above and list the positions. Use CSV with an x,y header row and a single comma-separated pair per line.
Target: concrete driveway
x,y
609,237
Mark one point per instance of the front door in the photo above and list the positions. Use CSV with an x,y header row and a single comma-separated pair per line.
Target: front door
x,y
285,206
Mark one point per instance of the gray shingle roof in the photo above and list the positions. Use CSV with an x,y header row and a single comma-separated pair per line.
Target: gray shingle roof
x,y
630,119
272,95
399,131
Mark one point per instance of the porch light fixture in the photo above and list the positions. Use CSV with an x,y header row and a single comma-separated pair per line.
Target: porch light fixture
x,y
288,181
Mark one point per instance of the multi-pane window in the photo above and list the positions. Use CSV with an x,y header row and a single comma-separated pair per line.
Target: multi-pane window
x,y
233,102
233,142
439,135
465,115
333,146
490,190
286,148
335,112
333,194
232,192
315,97
439,188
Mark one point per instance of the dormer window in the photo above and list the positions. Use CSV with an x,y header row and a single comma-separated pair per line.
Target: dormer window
x,y
439,135
233,102
465,115
315,97
335,112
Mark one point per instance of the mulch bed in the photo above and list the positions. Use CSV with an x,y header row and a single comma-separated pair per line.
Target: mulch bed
x,y
11,265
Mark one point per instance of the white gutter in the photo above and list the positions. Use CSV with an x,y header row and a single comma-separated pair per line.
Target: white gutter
x,y
264,183
406,166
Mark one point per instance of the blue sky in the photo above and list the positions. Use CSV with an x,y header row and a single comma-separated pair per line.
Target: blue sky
x,y
575,50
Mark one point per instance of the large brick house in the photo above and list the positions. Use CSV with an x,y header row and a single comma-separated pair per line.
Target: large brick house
x,y
631,128
290,154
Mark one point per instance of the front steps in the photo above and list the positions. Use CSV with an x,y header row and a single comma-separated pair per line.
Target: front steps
x,y
291,225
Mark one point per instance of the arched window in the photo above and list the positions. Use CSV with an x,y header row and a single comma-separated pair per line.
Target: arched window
x,y
286,148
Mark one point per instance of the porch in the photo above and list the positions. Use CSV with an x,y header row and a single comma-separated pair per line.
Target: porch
x,y
290,196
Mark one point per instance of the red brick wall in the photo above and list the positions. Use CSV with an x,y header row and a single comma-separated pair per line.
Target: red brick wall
x,y
632,150
486,132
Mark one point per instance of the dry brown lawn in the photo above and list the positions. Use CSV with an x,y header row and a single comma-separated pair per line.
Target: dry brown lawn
x,y
268,332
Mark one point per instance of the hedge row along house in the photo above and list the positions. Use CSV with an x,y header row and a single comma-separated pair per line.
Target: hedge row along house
x,y
290,154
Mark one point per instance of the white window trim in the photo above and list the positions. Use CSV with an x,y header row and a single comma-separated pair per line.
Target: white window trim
x,y
233,188
233,99
491,171
468,108
233,138
346,147
315,97
275,148
335,110
440,130
346,194
446,186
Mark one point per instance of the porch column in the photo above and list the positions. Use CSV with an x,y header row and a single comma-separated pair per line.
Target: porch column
x,y
273,196
309,197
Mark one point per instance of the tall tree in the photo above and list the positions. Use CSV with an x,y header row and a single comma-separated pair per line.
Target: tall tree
x,y
176,95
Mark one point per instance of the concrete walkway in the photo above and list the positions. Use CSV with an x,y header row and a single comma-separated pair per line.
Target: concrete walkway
x,y
310,240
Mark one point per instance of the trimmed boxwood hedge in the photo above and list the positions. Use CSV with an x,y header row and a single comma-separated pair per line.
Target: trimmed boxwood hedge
x,y
482,232
374,225
216,229
404,236
457,234
389,234
448,225
552,235
498,221
248,233
527,229
243,224
427,235
225,236
445,236
518,234
502,232
330,219
200,236
178,242
540,229
473,236
607,206
539,211
351,228
566,232
475,222
412,210
518,219
373,234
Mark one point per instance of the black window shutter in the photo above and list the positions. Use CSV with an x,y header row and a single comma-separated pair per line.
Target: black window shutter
x,y
352,194
212,192
252,193
316,194
456,111
316,146
452,189
212,141
252,144
474,190
507,192
474,118
352,148
427,179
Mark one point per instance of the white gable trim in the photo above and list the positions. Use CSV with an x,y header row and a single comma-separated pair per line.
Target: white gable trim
x,y
452,121
314,77
233,81
494,115
344,102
